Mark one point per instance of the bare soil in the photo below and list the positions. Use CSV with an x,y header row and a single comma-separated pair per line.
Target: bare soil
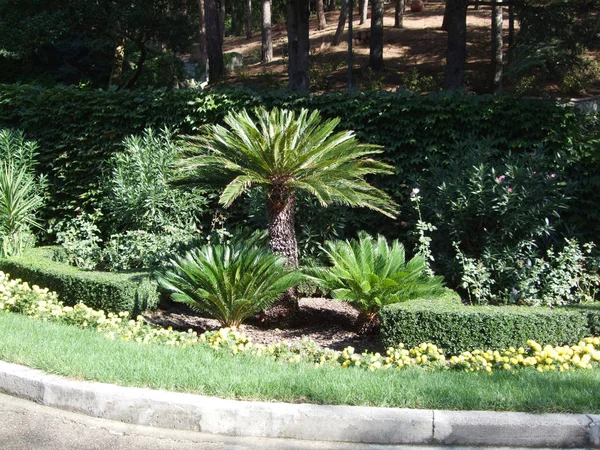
x,y
328,323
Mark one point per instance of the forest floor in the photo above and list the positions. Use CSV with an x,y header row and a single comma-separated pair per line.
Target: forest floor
x,y
414,56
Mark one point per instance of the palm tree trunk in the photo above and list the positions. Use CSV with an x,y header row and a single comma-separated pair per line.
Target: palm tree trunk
x,y
281,205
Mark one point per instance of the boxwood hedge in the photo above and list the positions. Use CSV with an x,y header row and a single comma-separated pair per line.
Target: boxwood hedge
x,y
133,292
457,328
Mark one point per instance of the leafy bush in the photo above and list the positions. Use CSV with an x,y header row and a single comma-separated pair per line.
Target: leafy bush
x,y
132,292
80,240
230,282
139,195
561,277
457,328
139,249
370,274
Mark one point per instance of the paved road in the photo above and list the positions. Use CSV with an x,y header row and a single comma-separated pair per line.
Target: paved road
x,y
29,426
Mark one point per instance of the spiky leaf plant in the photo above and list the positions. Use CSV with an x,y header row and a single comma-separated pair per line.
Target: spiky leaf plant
x,y
370,273
229,282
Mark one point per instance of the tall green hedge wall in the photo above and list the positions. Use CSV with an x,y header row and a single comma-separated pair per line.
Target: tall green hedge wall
x,y
78,129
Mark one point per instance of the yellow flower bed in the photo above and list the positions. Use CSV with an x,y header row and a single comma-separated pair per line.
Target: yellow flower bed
x,y
42,304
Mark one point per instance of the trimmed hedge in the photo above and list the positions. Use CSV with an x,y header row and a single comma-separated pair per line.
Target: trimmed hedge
x,y
457,328
133,292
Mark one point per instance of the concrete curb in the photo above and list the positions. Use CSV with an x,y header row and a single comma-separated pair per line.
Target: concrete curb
x,y
352,424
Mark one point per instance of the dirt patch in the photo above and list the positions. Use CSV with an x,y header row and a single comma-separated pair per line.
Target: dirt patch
x,y
328,323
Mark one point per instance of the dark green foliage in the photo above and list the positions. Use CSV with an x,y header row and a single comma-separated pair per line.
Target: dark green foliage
x,y
133,292
457,328
78,130
229,282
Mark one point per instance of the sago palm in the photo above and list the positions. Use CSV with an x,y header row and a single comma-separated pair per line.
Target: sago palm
x,y
286,152
229,282
370,274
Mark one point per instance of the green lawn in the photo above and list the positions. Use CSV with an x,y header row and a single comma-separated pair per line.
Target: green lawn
x,y
84,354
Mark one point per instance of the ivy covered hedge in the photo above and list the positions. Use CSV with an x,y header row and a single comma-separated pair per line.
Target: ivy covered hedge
x,y
457,328
133,292
79,129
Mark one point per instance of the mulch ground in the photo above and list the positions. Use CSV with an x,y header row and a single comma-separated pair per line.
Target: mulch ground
x,y
328,323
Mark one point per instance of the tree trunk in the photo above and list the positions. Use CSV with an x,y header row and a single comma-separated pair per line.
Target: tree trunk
x,y
202,34
216,69
140,64
399,14
376,50
363,11
298,44
281,205
456,60
331,5
341,23
267,37
248,19
119,59
222,12
446,19
322,22
497,22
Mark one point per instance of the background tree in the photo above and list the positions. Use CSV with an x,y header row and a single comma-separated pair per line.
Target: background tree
x,y
363,8
298,15
216,68
321,21
341,23
376,48
248,11
399,13
266,35
454,73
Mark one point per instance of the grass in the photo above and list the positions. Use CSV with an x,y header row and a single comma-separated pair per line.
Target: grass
x,y
84,354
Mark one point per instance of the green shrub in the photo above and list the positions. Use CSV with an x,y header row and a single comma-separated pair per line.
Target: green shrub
x,y
457,328
133,292
139,196
230,282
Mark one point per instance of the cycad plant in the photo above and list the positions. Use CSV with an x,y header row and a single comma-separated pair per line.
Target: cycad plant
x,y
369,273
286,152
229,282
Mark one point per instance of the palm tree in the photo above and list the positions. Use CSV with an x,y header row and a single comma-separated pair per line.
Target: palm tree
x,y
285,152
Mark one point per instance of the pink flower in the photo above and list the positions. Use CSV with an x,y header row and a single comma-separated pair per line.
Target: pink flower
x,y
553,175
509,190
500,178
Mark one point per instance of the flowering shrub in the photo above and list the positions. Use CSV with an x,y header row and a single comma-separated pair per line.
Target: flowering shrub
x,y
43,304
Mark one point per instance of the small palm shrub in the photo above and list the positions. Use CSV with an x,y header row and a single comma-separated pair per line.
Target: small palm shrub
x,y
229,282
369,273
